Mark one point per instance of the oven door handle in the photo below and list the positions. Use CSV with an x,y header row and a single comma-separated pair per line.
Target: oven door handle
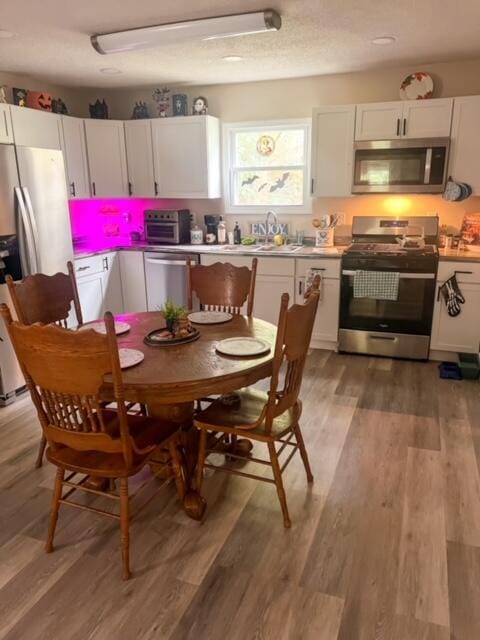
x,y
403,276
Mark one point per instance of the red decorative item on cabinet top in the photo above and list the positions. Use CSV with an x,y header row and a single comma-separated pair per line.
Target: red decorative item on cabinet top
x,y
39,100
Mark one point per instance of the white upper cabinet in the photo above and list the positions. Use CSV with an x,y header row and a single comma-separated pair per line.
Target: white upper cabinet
x,y
138,139
404,119
378,121
332,150
465,142
34,128
186,152
107,160
427,118
6,129
75,154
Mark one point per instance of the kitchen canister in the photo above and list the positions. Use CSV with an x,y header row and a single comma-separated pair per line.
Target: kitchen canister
x,y
196,235
324,237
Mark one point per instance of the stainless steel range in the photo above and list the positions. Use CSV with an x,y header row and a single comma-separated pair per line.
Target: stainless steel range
x,y
402,251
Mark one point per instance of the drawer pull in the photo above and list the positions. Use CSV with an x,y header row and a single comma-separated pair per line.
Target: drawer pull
x,y
83,268
467,273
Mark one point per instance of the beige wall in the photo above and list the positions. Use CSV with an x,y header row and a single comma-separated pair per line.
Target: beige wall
x,y
296,98
74,98
291,99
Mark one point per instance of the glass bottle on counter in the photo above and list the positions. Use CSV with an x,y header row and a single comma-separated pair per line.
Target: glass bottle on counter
x,y
237,234
222,232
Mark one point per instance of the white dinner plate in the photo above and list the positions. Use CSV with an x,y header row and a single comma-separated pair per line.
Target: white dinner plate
x,y
243,347
130,357
209,317
99,327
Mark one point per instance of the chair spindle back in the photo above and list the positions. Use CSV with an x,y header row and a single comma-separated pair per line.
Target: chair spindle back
x,y
222,286
64,371
46,299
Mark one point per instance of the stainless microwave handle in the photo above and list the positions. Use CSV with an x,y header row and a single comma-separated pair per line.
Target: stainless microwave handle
x,y
403,276
172,263
428,166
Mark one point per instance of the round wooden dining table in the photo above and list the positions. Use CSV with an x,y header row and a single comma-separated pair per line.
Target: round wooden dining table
x,y
171,378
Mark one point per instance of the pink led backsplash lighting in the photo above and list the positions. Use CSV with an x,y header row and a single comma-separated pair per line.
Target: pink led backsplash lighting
x,y
100,224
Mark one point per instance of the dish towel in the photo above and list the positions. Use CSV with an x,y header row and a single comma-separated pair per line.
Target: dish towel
x,y
310,276
379,285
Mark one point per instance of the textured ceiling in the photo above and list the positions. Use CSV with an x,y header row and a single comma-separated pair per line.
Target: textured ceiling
x,y
317,37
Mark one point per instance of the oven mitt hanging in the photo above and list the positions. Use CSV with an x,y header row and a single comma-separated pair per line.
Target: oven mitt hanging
x,y
453,296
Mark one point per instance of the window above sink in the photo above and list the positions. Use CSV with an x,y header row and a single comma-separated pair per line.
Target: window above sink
x,y
266,165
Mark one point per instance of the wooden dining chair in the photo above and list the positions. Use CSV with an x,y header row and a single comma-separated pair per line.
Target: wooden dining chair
x,y
45,299
271,417
222,286
65,371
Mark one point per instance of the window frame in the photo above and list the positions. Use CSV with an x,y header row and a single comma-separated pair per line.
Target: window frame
x,y
228,132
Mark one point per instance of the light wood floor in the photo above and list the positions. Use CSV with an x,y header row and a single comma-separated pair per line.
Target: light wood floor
x,y
385,544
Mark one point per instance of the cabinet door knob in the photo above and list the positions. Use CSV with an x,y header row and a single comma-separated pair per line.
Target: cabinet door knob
x,y
130,189
94,191
155,184
398,126
72,188
404,126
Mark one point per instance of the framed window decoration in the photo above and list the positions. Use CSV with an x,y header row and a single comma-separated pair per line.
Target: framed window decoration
x,y
266,166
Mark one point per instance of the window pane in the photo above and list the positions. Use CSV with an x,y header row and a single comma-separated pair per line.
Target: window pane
x,y
269,148
269,187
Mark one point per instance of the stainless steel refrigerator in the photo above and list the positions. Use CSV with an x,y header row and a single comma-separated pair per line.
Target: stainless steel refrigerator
x,y
35,235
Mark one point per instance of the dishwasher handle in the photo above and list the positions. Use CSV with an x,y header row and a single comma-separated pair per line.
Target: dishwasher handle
x,y
170,263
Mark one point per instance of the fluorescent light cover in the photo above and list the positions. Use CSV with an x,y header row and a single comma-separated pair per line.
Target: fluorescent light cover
x,y
178,32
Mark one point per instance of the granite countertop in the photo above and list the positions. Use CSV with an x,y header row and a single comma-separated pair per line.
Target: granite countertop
x,y
456,255
236,250
452,255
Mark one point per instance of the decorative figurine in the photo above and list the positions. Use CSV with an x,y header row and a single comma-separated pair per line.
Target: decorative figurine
x,y
200,106
180,104
3,94
59,106
140,111
39,100
19,97
99,110
162,98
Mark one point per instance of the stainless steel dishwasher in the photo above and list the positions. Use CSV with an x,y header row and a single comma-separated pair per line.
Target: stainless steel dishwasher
x,y
166,278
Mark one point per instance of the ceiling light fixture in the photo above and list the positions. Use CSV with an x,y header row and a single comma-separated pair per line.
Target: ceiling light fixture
x,y
177,32
6,34
384,40
232,58
110,71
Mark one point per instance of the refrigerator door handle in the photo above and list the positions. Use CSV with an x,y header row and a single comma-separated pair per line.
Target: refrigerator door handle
x,y
24,235
33,226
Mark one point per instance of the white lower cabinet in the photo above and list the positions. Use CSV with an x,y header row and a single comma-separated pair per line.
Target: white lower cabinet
x,y
325,328
132,275
112,284
268,295
99,285
90,292
460,333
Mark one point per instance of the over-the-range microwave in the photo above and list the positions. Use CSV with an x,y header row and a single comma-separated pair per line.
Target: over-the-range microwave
x,y
400,166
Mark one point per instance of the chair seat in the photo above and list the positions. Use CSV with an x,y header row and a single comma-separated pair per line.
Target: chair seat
x,y
145,431
219,417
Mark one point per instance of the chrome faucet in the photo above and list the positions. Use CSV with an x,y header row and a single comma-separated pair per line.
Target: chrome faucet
x,y
267,220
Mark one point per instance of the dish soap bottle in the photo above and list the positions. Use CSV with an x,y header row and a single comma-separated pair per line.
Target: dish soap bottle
x,y
237,234
222,232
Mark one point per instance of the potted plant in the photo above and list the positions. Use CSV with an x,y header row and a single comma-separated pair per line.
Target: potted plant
x,y
172,314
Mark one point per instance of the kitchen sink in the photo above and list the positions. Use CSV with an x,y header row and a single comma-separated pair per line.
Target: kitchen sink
x,y
273,248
